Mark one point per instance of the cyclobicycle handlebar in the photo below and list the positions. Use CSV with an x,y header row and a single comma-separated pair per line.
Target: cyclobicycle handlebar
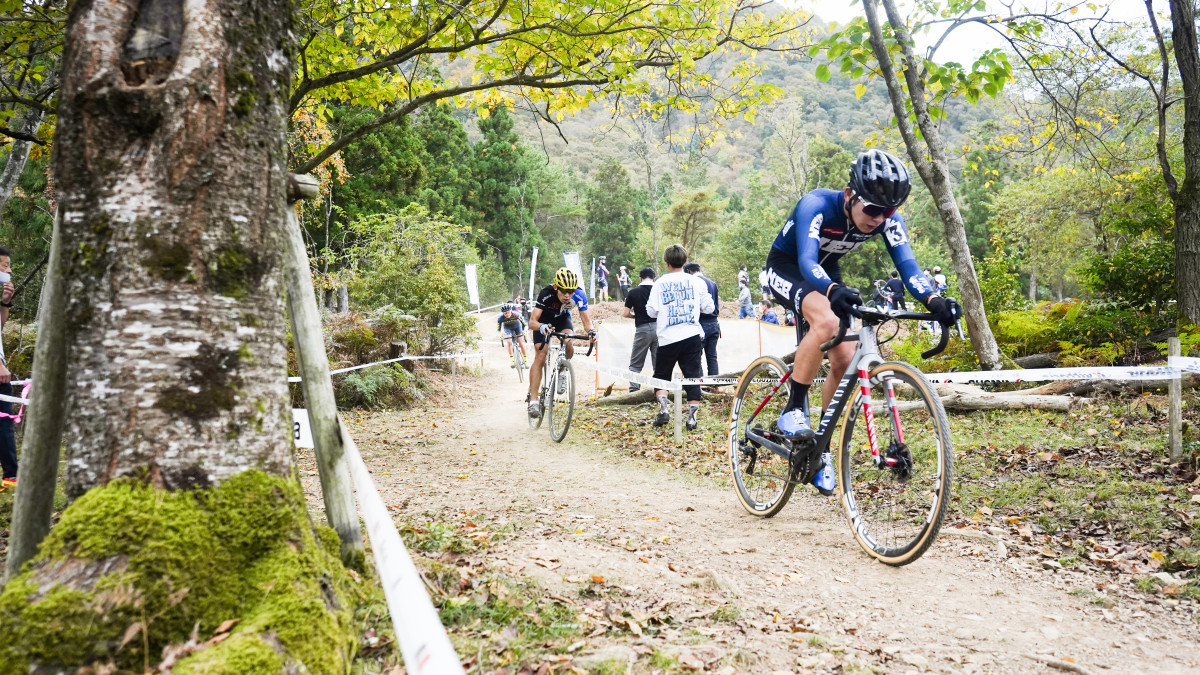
x,y
572,336
875,316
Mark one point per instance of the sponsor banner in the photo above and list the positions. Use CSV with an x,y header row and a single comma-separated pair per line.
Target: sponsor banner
x,y
472,284
532,273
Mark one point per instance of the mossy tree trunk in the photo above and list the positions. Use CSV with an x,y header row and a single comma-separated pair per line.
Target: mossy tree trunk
x,y
170,158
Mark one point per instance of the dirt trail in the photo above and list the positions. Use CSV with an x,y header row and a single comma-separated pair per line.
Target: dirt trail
x,y
794,593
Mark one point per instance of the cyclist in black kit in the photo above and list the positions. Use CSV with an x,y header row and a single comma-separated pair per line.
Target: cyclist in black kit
x,y
552,314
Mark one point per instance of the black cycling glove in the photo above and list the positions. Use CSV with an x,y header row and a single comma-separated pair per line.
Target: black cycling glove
x,y
945,310
844,301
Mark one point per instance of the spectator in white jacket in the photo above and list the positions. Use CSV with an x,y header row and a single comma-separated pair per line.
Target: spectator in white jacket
x,y
676,301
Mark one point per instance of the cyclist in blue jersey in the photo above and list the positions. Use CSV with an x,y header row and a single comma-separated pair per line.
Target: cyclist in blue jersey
x,y
552,314
803,273
512,325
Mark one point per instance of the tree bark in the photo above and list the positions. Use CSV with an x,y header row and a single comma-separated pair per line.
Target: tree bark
x,y
18,157
1033,281
170,158
935,173
1187,198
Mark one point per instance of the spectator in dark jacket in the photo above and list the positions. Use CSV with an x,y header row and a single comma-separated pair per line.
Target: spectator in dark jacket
x,y
645,337
708,322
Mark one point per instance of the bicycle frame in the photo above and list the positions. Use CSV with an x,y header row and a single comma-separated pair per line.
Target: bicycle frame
x,y
866,356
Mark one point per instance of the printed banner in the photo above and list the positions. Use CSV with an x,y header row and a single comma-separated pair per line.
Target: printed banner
x,y
532,273
571,262
472,285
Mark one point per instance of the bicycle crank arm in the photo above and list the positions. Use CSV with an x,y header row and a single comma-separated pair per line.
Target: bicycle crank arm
x,y
763,441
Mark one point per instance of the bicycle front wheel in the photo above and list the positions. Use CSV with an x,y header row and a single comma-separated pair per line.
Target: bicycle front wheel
x,y
896,501
562,397
519,359
763,480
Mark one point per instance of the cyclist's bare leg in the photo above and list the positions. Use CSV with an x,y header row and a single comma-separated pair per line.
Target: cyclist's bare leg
x,y
508,344
535,370
570,350
822,327
521,344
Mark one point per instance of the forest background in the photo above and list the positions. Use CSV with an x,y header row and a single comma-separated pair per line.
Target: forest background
x,y
1084,228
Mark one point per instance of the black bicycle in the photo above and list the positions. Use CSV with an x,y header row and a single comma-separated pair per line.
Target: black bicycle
x,y
557,392
894,478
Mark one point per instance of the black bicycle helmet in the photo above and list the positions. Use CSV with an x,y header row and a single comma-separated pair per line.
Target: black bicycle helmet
x,y
880,178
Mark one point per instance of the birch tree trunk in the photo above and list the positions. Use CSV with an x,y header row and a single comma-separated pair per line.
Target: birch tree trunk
x,y
934,172
18,157
171,172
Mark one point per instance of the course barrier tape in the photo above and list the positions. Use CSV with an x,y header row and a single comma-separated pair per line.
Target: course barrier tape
x,y
423,641
1056,374
1189,364
484,309
475,355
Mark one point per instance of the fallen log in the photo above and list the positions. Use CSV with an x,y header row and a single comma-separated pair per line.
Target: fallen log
x,y
1045,360
1090,387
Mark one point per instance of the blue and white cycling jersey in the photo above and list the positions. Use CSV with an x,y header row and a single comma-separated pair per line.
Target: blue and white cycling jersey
x,y
818,234
548,302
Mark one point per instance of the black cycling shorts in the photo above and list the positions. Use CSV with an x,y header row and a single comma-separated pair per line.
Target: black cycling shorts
x,y
561,323
787,284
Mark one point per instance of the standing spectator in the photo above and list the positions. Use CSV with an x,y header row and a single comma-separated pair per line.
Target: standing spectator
x,y
623,282
676,301
8,438
939,280
768,314
762,283
745,302
743,276
708,320
895,287
602,282
645,338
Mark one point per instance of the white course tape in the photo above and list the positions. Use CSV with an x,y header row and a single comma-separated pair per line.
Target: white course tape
x,y
14,399
625,374
476,355
1186,364
1051,374
484,309
423,641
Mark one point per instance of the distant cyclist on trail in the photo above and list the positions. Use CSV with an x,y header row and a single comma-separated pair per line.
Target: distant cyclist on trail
x,y
552,314
512,325
803,272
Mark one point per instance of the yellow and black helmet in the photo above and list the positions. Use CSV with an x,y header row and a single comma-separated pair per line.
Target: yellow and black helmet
x,y
566,279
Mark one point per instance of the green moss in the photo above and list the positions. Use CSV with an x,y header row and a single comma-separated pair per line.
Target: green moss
x,y
234,271
174,560
167,261
245,103
209,385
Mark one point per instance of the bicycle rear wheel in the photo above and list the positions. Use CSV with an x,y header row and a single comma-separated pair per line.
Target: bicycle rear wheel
x,y
562,397
895,511
763,480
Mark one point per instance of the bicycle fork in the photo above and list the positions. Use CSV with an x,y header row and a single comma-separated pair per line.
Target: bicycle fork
x,y
893,456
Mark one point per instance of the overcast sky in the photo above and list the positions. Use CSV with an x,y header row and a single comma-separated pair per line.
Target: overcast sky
x,y
967,42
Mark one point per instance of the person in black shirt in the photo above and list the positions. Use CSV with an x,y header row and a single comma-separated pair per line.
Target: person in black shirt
x,y
645,337
708,322
896,287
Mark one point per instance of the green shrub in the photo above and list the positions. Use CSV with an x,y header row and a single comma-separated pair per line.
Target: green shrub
x,y
377,387
1024,332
